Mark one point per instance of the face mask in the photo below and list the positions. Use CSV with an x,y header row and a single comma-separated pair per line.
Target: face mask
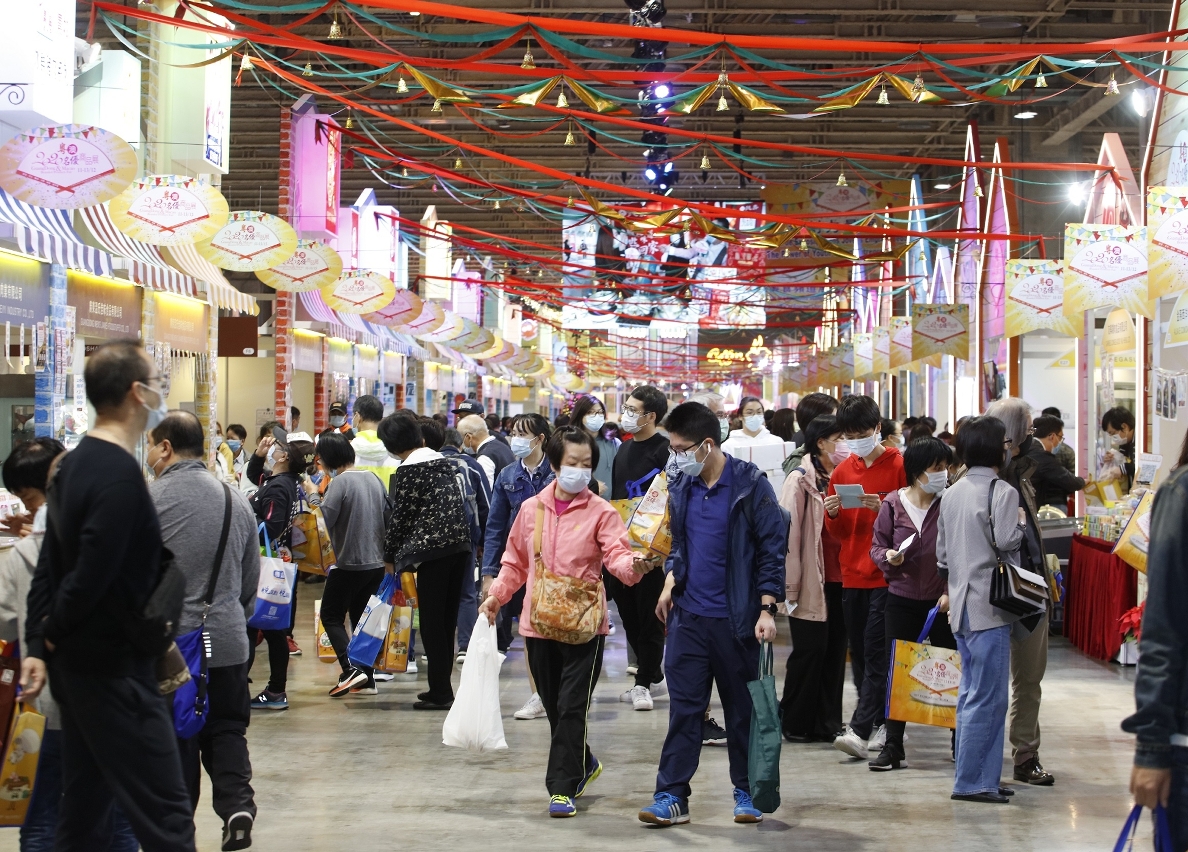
x,y
573,480
938,480
724,426
688,463
862,447
155,415
39,519
841,452
1056,447
629,423
521,447
753,422
331,473
235,446
270,460
337,421
594,422
1115,440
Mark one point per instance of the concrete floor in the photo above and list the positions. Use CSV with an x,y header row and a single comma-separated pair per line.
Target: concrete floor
x,y
372,773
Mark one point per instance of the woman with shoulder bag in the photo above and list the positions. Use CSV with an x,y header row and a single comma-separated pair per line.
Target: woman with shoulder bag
x,y
811,707
558,545
980,518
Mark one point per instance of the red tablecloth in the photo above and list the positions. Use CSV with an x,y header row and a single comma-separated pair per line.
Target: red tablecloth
x,y
1099,588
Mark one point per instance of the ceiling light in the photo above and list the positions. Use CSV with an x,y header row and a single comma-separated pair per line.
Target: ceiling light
x,y
1140,102
663,91
1076,192
942,186
415,14
1026,114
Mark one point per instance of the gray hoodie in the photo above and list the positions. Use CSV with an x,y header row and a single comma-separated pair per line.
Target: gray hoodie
x,y
190,504
353,507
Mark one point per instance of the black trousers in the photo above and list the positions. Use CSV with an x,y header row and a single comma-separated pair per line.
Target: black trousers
x,y
439,589
221,746
503,624
645,632
277,642
118,745
347,592
565,678
868,656
905,619
816,672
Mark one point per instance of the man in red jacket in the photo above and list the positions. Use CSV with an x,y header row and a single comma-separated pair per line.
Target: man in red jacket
x,y
879,470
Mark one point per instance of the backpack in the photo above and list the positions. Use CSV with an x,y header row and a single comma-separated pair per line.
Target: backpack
x,y
462,474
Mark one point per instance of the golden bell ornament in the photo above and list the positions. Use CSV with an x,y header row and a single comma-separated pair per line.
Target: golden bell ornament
x,y
308,72
562,101
245,64
883,99
803,244
569,140
841,179
436,106
723,104
1112,86
457,164
787,252
350,122
978,192
404,172
705,163
497,205
569,203
335,31
918,87
402,86
1041,82
528,64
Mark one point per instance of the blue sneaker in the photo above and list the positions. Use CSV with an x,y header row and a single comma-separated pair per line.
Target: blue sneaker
x,y
270,701
667,809
561,807
592,772
744,808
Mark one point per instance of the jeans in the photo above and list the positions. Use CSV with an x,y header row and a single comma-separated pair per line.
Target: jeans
x,y
1029,661
905,619
816,672
468,610
41,821
864,609
347,592
221,746
439,589
565,678
701,651
981,708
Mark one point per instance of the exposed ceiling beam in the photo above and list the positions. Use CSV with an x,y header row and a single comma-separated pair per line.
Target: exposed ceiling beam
x,y
1079,114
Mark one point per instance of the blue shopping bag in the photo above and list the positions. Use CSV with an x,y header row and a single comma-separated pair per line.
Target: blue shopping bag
x,y
1163,838
372,630
274,593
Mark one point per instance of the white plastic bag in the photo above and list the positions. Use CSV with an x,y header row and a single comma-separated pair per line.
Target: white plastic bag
x,y
474,722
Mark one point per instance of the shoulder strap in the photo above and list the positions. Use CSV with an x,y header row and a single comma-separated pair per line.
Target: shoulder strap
x,y
538,532
990,511
219,551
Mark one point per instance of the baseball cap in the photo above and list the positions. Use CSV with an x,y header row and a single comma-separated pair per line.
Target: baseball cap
x,y
338,405
470,406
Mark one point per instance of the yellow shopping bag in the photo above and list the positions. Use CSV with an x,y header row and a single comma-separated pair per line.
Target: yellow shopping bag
x,y
325,649
22,750
923,682
312,551
393,657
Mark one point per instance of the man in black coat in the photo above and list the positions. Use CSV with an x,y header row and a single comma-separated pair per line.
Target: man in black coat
x,y
1053,483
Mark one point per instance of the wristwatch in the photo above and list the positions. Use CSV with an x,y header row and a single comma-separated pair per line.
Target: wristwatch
x,y
771,608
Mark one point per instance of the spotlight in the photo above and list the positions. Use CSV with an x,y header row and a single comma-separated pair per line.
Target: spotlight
x,y
663,91
1026,114
668,168
1140,102
1076,193
651,174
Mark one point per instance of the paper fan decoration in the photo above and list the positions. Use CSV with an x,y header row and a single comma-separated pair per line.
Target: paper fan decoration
x,y
250,241
405,305
446,332
358,292
66,166
169,210
431,318
474,340
311,266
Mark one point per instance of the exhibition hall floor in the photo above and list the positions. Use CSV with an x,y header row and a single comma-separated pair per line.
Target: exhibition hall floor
x,y
371,773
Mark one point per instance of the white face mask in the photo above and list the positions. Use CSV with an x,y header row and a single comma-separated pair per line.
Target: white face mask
x,y
521,447
724,426
1115,440
753,422
594,422
938,480
336,421
863,447
155,415
574,480
687,462
629,423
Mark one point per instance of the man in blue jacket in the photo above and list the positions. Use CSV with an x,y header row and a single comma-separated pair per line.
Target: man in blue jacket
x,y
725,577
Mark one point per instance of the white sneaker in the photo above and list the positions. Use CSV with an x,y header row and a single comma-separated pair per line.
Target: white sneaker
x,y
632,670
412,667
877,740
384,677
533,709
610,628
638,697
659,690
461,657
850,743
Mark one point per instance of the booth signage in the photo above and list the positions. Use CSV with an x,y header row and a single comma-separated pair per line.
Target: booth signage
x,y
1105,265
105,309
307,351
341,357
181,322
24,290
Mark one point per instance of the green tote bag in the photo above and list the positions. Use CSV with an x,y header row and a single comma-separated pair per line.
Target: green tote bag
x,y
763,750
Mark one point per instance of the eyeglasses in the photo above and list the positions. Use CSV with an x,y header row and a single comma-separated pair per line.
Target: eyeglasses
x,y
634,412
1031,431
1007,442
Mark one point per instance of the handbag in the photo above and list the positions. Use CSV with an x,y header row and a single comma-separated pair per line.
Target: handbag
x,y
274,592
18,764
1163,835
1013,588
923,682
763,747
566,609
190,700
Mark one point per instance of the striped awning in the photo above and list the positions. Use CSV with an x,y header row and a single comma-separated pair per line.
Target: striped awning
x,y
220,291
46,233
142,261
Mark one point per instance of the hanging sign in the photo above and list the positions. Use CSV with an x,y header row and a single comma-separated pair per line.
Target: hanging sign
x,y
1105,265
104,309
169,210
250,241
405,305
66,166
307,351
1035,298
358,292
447,331
431,318
863,355
369,362
1167,233
940,330
341,357
312,265
474,339
1119,332
882,350
901,341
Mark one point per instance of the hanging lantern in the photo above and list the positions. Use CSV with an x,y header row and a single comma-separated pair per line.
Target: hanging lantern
x,y
883,99
528,64
562,101
1041,82
350,122
436,106
402,86
841,179
1112,86
705,163
569,140
308,72
335,30
457,164
978,192
918,87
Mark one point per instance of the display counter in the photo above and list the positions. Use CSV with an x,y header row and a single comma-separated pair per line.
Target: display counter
x,y
1099,588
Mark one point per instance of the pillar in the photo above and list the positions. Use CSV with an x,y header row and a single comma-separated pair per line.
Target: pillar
x,y
206,383
285,304
49,393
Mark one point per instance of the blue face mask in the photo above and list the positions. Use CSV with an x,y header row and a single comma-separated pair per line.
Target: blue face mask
x,y
235,445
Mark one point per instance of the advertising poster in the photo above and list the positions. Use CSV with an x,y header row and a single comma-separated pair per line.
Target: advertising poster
x,y
940,330
901,342
1035,298
1167,233
1105,265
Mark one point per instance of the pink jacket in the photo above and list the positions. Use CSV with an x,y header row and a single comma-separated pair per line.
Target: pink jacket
x,y
588,535
805,565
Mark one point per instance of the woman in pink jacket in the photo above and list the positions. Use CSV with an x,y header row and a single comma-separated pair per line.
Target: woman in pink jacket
x,y
816,671
580,533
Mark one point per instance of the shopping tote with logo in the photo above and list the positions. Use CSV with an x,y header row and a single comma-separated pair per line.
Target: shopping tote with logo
x,y
372,630
274,594
922,687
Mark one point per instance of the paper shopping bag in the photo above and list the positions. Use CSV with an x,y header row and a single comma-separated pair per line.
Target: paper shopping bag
x,y
393,657
22,750
325,649
372,629
648,527
922,687
312,550
10,675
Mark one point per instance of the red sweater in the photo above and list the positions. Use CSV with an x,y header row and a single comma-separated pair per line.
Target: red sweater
x,y
854,528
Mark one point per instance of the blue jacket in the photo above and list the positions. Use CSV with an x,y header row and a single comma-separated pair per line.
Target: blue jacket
x,y
757,547
513,486
1161,683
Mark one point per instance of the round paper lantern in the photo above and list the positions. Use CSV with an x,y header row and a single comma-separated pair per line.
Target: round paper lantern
x,y
311,266
250,241
169,210
358,292
66,166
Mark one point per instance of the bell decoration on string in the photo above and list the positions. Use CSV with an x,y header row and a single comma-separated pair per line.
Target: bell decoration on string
x,y
562,101
1112,86
402,86
457,164
245,64
497,204
308,72
841,178
436,105
1041,82
918,87
569,203
335,29
723,84
350,122
883,99
804,244
540,273
404,172
569,140
705,163
787,252
528,64
520,206
978,192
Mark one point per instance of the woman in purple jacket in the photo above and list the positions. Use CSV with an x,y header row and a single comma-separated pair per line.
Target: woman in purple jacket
x,y
914,586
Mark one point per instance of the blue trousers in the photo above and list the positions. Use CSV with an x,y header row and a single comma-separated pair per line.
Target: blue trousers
x,y
982,703
467,609
698,652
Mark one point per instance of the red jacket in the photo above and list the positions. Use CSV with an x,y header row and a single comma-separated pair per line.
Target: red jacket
x,y
854,528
